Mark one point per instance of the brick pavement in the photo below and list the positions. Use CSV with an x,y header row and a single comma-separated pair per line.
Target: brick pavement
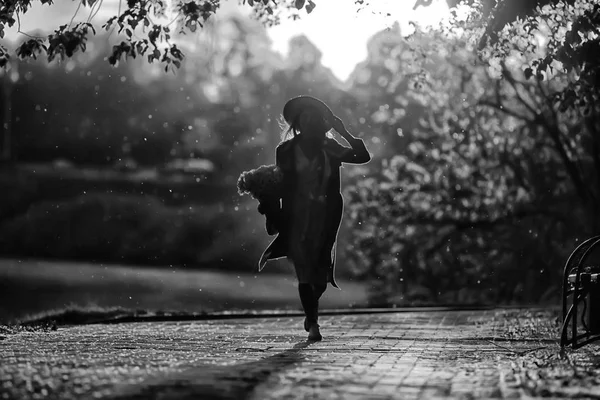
x,y
404,355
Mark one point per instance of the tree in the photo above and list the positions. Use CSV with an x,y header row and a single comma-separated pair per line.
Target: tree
x,y
145,27
573,48
498,177
105,115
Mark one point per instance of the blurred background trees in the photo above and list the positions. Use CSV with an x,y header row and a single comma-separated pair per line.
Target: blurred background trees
x,y
499,180
486,168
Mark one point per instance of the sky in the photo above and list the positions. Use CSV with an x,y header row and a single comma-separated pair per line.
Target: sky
x,y
341,33
335,26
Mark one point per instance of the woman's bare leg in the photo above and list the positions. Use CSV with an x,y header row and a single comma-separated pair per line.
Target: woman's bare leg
x,y
309,304
318,291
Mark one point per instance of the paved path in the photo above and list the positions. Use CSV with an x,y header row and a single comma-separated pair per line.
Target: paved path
x,y
405,355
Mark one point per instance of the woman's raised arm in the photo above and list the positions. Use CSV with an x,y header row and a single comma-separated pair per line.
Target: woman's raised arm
x,y
357,153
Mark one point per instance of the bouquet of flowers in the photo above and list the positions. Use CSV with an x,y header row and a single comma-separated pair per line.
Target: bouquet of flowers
x,y
262,183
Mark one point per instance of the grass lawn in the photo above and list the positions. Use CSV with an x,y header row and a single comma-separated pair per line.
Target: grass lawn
x,y
33,287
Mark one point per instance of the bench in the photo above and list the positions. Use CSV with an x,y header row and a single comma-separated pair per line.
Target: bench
x,y
581,295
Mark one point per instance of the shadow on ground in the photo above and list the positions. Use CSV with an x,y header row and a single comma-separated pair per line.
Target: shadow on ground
x,y
215,382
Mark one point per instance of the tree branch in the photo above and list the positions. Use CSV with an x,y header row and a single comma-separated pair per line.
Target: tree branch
x,y
552,110
555,135
92,12
23,33
506,110
505,157
75,14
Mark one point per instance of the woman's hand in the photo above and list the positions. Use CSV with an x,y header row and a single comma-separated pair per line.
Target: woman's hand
x,y
339,127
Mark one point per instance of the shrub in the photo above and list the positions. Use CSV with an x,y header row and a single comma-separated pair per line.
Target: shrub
x,y
135,229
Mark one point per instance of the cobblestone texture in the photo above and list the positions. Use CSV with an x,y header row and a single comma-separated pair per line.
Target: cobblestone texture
x,y
406,355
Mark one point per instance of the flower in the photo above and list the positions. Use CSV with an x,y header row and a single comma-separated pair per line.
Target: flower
x,y
262,182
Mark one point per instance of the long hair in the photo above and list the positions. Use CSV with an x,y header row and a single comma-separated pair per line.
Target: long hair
x,y
288,131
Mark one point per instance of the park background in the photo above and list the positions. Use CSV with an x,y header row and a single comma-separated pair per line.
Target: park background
x,y
119,183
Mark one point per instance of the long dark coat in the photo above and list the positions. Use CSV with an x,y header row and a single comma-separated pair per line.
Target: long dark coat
x,y
279,213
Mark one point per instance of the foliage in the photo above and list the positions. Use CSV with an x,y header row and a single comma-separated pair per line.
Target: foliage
x,y
128,229
223,105
486,162
494,184
571,50
86,126
145,27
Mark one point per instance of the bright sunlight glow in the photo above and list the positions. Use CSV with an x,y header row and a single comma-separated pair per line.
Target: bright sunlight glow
x,y
341,33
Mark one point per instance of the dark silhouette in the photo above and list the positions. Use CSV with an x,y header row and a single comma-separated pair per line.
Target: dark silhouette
x,y
309,214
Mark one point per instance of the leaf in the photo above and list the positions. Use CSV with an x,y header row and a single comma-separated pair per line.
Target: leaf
x,y
299,4
310,7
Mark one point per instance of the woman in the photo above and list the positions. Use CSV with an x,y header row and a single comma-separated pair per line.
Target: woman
x,y
309,214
